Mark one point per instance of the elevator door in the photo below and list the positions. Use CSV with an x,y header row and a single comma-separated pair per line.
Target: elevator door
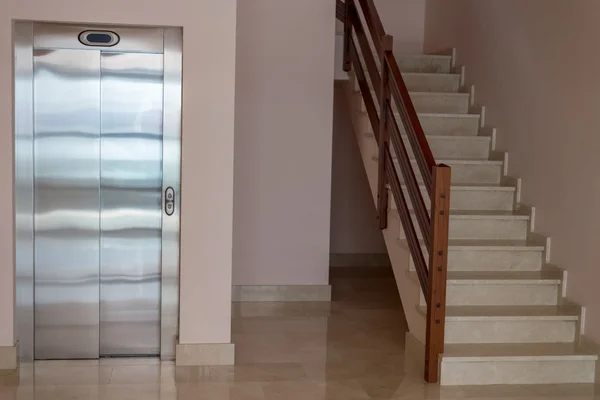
x,y
97,188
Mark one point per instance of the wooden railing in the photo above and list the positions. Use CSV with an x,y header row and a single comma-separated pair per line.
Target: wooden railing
x,y
364,31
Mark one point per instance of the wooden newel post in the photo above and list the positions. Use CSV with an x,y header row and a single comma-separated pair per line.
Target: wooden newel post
x,y
438,271
387,44
347,35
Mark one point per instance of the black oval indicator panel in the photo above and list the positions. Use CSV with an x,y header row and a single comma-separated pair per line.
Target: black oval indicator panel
x,y
99,38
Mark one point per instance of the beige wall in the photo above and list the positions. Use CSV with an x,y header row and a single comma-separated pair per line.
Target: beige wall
x,y
535,65
405,20
354,226
208,130
284,98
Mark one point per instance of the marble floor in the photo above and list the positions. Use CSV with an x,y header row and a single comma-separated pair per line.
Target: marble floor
x,y
349,349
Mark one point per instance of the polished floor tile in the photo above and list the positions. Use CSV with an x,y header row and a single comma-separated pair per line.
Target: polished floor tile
x,y
350,349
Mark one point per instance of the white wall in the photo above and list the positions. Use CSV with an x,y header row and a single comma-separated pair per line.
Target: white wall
x,y
535,66
284,114
207,167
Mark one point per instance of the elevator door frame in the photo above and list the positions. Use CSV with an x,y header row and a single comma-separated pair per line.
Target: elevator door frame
x,y
132,40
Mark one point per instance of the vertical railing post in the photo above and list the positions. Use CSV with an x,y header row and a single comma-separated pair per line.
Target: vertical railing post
x,y
438,271
387,44
347,35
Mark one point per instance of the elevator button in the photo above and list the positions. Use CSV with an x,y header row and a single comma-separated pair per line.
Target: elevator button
x,y
169,194
169,208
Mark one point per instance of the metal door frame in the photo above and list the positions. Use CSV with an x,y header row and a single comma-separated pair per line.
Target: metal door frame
x,y
23,36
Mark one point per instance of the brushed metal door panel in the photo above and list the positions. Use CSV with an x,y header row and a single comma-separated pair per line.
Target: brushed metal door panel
x,y
23,193
66,184
131,206
171,178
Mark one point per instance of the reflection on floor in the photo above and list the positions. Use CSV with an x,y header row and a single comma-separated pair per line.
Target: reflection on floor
x,y
349,349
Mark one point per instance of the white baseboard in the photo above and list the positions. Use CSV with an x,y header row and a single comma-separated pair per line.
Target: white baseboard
x,y
9,357
590,345
198,354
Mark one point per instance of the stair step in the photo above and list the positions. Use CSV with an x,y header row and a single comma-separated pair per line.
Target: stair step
x,y
492,255
437,102
449,124
424,63
430,102
439,124
431,82
510,324
466,171
495,225
455,147
430,63
531,363
422,82
540,288
472,197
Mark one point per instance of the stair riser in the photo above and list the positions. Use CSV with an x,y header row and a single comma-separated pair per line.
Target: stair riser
x,y
500,294
492,260
484,200
432,83
436,125
432,103
450,126
554,371
447,147
510,331
424,63
496,229
467,173
439,83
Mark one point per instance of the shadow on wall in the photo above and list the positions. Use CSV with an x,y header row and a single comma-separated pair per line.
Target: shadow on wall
x,y
354,227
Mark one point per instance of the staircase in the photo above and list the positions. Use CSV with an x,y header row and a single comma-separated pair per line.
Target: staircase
x,y
507,320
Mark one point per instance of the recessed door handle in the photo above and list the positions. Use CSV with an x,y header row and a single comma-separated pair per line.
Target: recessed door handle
x,y
169,201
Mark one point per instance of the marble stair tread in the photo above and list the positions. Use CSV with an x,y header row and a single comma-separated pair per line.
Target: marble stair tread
x,y
504,277
461,161
483,214
488,214
516,352
437,77
424,93
430,74
475,186
446,137
469,161
455,161
445,115
488,244
419,82
417,63
542,277
470,313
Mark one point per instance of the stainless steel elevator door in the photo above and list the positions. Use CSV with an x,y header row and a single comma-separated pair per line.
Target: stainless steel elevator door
x,y
98,122
130,205
67,203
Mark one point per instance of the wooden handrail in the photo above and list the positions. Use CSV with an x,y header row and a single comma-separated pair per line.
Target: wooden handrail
x,y
390,110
